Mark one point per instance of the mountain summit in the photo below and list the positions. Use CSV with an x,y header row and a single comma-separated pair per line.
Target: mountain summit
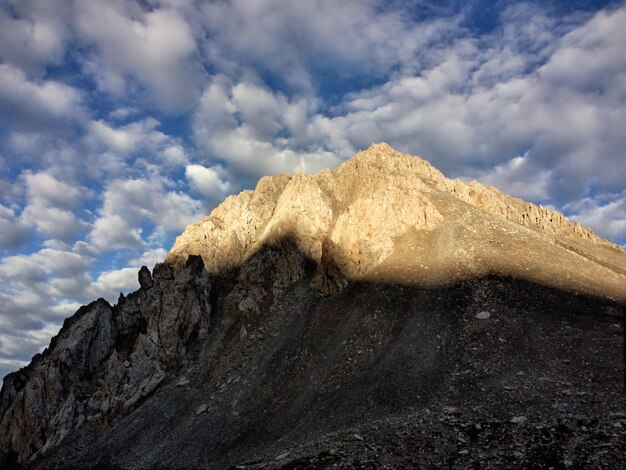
x,y
377,315
388,216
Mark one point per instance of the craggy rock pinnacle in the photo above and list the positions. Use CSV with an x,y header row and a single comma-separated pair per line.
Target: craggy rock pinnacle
x,y
105,360
384,214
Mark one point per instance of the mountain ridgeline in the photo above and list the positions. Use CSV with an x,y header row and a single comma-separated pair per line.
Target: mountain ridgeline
x,y
376,315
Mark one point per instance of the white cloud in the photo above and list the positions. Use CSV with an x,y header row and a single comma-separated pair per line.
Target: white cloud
x,y
127,138
43,288
129,204
149,258
606,213
17,346
36,38
309,44
52,192
174,155
519,177
156,48
548,89
13,232
478,107
123,112
123,150
50,204
30,306
207,181
110,283
112,231
117,139
244,125
26,104
62,287
597,45
52,221
45,261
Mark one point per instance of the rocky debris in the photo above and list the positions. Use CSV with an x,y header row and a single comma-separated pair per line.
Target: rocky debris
x,y
182,382
469,443
381,376
105,360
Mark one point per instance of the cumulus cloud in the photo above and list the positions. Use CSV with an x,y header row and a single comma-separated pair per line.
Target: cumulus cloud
x,y
34,268
29,304
472,109
131,203
123,139
110,283
156,48
606,213
257,131
207,181
519,177
50,204
149,258
114,150
36,37
16,348
123,112
312,45
13,232
26,104
52,192
47,286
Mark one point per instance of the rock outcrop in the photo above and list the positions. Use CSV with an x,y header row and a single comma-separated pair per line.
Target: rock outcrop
x,y
105,360
364,296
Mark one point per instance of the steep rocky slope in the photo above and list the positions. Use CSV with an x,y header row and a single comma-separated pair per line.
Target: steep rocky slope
x,y
376,315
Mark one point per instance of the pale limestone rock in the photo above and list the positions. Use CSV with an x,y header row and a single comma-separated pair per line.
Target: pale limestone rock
x,y
365,231
232,231
388,215
303,211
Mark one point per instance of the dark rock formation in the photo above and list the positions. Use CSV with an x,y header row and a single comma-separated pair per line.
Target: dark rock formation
x,y
105,360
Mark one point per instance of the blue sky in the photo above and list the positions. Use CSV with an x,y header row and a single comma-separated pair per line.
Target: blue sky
x,y
122,121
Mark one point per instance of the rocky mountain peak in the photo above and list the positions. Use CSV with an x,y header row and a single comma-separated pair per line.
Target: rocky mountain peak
x,y
365,301
388,215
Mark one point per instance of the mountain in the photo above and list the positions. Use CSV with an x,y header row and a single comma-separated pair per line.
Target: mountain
x,y
377,315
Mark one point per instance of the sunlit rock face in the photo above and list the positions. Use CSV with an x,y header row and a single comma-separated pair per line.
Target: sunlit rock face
x,y
384,215
375,297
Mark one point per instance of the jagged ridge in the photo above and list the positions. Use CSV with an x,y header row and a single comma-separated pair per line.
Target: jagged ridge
x,y
105,360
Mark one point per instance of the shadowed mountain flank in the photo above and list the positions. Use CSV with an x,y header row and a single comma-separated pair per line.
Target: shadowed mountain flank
x,y
374,316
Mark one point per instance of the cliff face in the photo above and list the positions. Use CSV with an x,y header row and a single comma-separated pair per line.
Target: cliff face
x,y
322,302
